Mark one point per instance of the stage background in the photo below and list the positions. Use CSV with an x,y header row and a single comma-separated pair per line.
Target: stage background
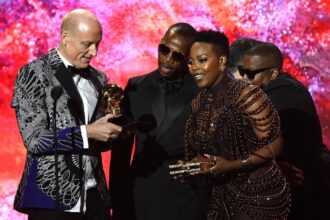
x,y
132,30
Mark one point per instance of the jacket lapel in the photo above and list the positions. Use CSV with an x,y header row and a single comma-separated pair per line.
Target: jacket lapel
x,y
180,100
74,103
157,100
99,87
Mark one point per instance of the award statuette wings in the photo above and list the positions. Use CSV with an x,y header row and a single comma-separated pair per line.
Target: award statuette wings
x,y
113,95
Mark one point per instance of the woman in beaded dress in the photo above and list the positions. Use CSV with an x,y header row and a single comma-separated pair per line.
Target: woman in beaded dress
x,y
234,124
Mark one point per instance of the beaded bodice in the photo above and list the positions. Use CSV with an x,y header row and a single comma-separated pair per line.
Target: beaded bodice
x,y
221,125
233,120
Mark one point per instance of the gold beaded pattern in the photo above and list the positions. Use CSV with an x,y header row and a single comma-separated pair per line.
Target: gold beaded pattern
x,y
220,124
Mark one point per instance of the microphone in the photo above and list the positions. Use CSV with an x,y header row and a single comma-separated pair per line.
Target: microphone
x,y
56,93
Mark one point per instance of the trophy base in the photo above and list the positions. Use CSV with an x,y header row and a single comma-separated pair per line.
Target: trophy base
x,y
144,124
125,123
119,120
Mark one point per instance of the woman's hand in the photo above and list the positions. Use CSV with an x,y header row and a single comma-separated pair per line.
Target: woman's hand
x,y
221,166
208,164
205,164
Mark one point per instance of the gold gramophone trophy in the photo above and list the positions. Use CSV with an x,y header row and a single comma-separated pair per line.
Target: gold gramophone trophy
x,y
112,96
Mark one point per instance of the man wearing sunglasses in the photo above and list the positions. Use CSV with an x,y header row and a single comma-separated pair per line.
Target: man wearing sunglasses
x,y
305,159
237,50
162,99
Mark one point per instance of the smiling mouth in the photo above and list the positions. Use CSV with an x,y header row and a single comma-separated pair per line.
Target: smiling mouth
x,y
87,59
198,76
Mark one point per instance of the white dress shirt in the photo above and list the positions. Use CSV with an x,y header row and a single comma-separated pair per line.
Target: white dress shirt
x,y
89,96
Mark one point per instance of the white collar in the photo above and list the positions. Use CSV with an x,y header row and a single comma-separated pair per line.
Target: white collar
x,y
64,60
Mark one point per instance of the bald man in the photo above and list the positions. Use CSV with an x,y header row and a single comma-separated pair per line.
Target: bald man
x,y
305,160
162,99
66,180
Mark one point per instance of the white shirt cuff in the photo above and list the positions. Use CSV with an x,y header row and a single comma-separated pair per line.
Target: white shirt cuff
x,y
84,136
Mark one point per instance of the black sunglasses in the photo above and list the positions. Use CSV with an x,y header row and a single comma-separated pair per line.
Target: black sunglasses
x,y
165,50
251,73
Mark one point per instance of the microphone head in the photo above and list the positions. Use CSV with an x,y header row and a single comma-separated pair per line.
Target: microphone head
x,y
56,92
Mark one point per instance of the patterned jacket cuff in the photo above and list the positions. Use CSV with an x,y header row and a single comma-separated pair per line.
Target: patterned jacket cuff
x,y
70,139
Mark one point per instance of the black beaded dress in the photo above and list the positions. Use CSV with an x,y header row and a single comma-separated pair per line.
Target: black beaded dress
x,y
221,125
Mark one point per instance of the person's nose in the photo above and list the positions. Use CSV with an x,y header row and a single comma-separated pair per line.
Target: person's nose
x,y
93,50
169,58
192,67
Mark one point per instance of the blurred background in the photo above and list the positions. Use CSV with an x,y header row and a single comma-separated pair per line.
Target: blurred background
x,y
132,31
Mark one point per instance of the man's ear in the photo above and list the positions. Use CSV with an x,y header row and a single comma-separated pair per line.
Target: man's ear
x,y
275,73
65,37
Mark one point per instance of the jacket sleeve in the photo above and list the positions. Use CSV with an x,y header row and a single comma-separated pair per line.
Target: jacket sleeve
x,y
33,119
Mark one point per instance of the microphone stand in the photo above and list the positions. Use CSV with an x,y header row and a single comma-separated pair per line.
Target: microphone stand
x,y
56,92
56,162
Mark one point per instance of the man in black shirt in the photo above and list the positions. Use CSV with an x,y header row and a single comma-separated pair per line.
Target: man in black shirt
x,y
305,159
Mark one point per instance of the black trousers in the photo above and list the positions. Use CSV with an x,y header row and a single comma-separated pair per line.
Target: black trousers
x,y
95,210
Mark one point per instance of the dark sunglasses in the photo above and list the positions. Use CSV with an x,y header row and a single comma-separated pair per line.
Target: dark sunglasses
x,y
165,50
251,73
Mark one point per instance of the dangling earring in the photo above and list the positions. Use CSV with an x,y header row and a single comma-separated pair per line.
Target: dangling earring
x,y
222,62
222,68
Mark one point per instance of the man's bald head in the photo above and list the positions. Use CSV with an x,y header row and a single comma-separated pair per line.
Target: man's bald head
x,y
265,61
182,29
177,41
270,53
79,19
81,33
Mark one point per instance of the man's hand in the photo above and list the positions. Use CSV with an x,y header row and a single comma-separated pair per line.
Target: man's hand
x,y
102,130
294,175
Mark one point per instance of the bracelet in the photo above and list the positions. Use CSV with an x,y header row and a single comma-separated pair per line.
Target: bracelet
x,y
246,163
